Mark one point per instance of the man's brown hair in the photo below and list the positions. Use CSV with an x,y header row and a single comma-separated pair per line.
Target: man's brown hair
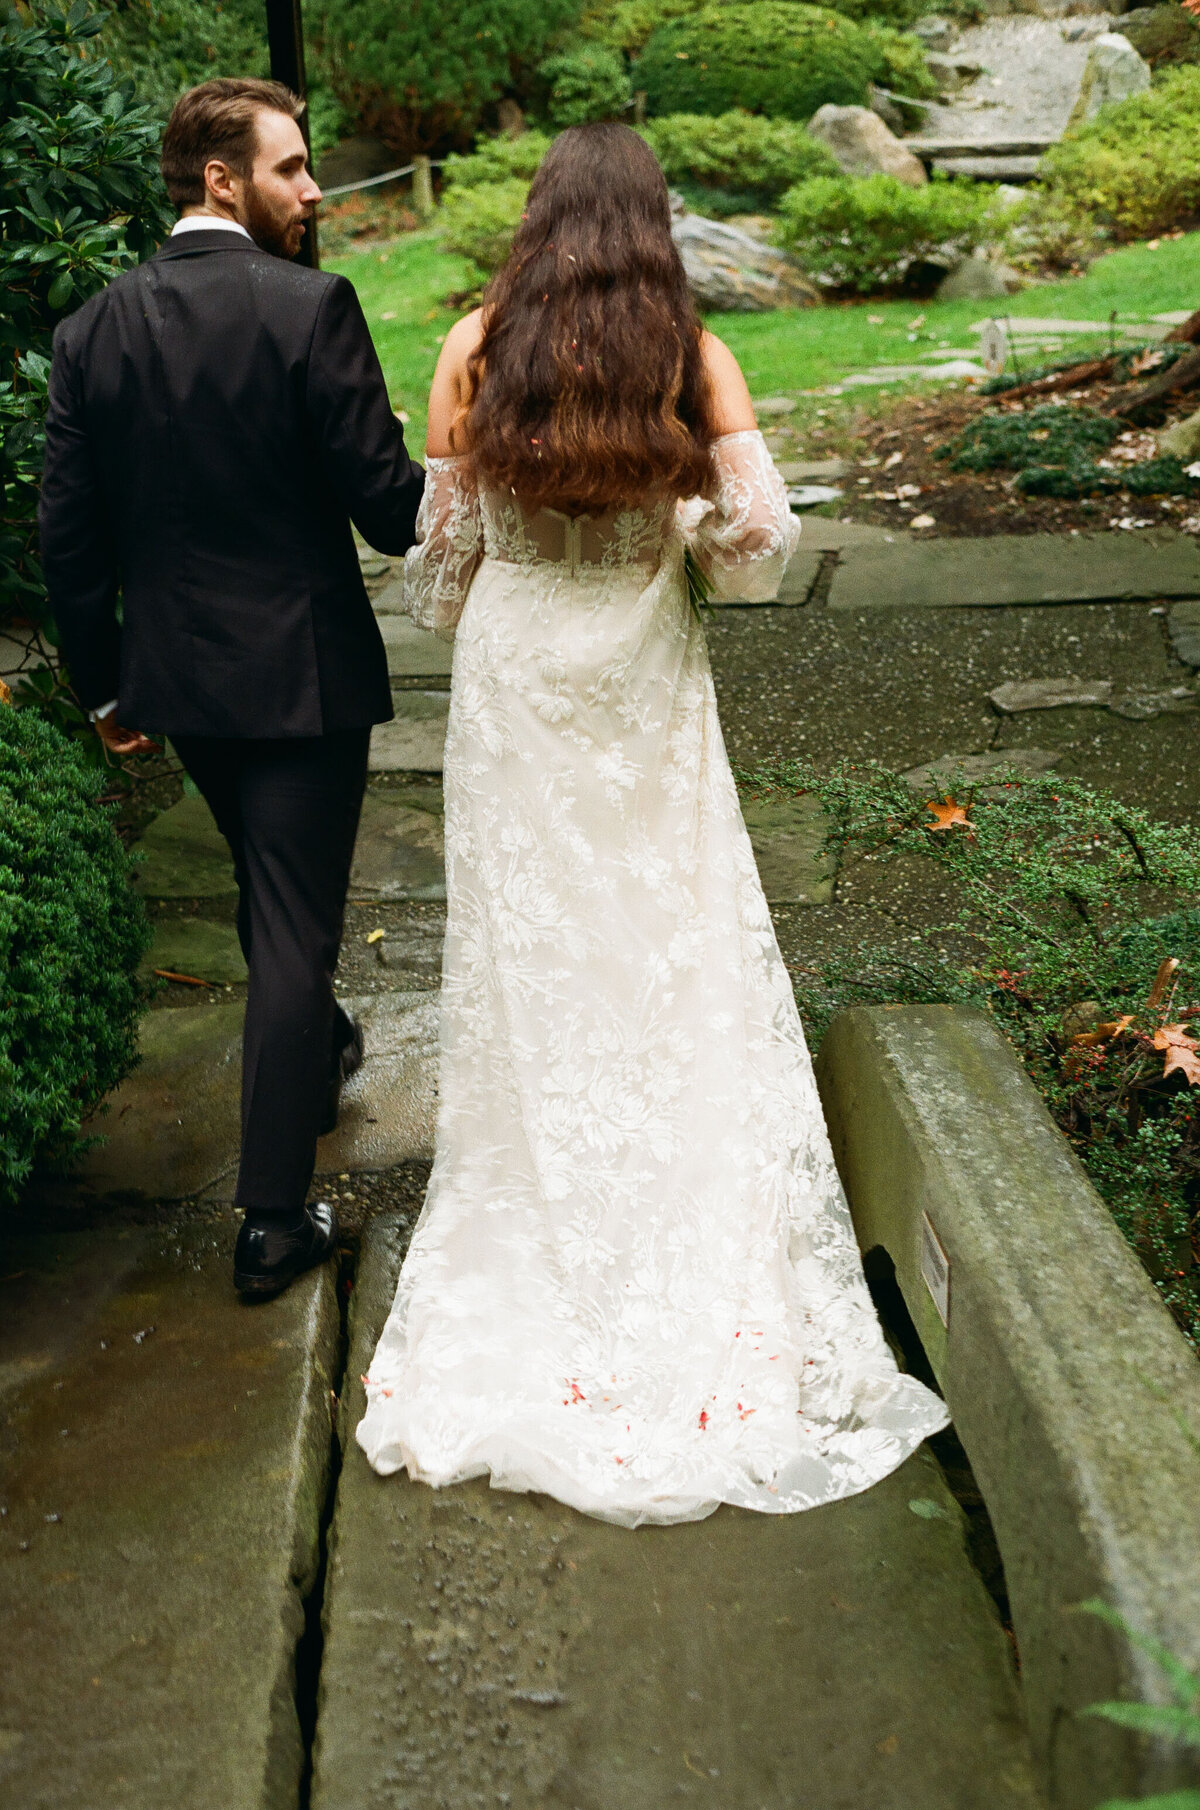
x,y
218,120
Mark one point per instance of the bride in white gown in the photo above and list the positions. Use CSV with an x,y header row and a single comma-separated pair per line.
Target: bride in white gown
x,y
634,1284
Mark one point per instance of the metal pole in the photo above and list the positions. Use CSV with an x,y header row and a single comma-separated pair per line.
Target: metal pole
x,y
285,35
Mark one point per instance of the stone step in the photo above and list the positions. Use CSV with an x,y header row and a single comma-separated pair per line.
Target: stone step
x,y
415,740
171,1130
1016,569
413,653
484,1648
165,1454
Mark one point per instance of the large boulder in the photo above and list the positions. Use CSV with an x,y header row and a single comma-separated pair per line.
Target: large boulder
x,y
1183,440
1162,34
1113,72
977,279
728,270
863,146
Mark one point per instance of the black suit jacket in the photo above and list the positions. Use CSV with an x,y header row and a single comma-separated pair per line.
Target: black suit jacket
x,y
217,418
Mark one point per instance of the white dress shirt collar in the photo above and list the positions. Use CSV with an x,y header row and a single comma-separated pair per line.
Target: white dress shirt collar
x,y
198,223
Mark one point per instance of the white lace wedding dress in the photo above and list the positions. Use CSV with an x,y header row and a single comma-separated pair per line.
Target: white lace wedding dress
x,y
634,1284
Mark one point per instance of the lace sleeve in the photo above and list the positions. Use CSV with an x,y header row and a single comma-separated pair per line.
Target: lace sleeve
x,y
438,570
744,535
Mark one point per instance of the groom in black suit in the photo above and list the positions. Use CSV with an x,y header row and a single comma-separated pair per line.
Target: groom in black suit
x,y
217,419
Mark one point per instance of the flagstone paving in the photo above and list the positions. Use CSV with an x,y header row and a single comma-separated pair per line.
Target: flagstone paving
x,y
414,741
164,1453
200,947
489,1649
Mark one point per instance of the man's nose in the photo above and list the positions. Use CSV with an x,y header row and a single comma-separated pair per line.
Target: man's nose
x,y
310,194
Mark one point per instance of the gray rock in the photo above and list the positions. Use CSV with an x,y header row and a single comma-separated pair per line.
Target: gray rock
x,y
889,111
1140,706
733,272
1072,1390
1114,71
812,471
478,1644
199,947
788,838
1048,694
186,856
773,406
936,32
1182,441
1184,626
808,496
985,168
415,741
165,1457
863,146
974,769
976,280
399,853
952,72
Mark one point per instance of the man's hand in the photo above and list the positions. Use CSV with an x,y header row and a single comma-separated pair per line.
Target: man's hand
x,y
121,741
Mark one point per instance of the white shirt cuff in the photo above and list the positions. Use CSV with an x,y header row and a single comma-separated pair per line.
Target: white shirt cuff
x,y
103,710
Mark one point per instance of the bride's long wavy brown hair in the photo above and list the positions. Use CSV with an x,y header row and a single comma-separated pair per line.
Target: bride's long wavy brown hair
x,y
588,389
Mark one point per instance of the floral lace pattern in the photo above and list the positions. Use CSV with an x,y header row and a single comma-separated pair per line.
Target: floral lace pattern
x,y
634,1284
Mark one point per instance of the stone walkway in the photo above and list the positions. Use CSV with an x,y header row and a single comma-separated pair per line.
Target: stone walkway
x,y
168,1480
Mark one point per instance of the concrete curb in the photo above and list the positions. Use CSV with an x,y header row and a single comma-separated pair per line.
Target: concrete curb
x,y
1074,1394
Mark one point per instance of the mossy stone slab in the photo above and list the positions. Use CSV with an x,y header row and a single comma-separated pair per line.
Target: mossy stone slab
x,y
1016,569
186,856
399,853
197,947
787,835
414,741
172,1130
414,653
165,1455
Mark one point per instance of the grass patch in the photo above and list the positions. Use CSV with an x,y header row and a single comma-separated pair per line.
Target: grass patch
x,y
787,351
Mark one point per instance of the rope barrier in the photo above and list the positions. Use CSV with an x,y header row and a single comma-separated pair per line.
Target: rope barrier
x,y
371,182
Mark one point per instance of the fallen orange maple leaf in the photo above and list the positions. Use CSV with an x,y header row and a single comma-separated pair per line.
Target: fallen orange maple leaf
x,y
1182,1052
1192,6
1103,1033
949,815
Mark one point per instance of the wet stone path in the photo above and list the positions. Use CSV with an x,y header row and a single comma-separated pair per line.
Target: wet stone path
x,y
207,1598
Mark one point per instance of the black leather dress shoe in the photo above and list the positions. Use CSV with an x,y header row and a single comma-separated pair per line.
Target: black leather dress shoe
x,y
345,1064
267,1257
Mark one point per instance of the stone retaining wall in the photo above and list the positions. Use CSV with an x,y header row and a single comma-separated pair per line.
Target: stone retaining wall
x,y
1075,1395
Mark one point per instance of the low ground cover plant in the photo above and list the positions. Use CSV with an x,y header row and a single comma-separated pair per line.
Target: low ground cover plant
x,y
866,234
1074,927
71,936
1056,450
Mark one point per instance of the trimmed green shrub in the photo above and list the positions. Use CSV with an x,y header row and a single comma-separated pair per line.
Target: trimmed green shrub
x,y
80,198
743,152
585,82
905,71
626,25
1135,168
863,234
774,57
496,160
480,222
420,75
1050,932
71,935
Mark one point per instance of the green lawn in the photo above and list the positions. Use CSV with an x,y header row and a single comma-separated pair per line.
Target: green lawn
x,y
403,285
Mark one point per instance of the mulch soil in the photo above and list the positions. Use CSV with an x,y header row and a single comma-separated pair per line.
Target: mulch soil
x,y
890,491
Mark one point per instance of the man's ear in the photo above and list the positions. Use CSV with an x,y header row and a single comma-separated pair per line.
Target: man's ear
x,y
219,181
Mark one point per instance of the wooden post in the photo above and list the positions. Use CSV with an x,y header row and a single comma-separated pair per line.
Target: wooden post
x,y
422,189
285,36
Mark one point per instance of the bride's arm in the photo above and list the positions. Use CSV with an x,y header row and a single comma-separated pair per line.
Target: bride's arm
x,y
744,533
439,568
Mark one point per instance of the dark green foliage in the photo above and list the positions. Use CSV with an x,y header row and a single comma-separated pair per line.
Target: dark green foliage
x,y
1163,34
1153,477
864,233
71,936
1177,1722
1053,448
744,155
80,198
422,74
1066,903
774,57
496,160
1051,434
585,82
165,46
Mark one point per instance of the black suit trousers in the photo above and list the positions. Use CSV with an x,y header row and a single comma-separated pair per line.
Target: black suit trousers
x,y
289,811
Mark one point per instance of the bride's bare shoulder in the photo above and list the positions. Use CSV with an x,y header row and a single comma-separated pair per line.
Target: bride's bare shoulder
x,y
448,392
734,409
